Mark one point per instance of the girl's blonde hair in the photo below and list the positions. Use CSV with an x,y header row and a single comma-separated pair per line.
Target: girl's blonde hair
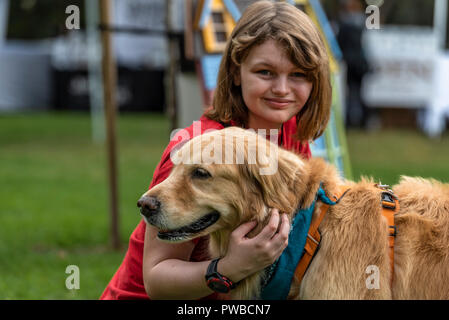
x,y
293,29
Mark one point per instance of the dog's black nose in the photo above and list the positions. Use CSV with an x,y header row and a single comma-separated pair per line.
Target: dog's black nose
x,y
148,206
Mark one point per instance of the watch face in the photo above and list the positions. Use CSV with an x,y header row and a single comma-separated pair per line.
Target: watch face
x,y
218,286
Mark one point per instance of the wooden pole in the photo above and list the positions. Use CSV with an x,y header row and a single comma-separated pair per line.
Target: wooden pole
x,y
109,87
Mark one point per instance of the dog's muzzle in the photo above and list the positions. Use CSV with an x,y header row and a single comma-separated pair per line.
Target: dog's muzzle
x,y
149,206
150,209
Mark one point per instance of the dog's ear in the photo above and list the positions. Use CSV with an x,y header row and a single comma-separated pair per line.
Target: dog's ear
x,y
279,188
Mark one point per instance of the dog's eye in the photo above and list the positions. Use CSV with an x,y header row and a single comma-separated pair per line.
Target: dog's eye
x,y
200,173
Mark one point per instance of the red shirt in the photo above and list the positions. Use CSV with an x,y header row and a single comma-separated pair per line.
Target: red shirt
x,y
127,283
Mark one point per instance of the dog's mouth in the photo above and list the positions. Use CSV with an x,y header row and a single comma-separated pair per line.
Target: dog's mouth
x,y
189,231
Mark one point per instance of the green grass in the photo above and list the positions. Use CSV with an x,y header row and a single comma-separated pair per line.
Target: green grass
x,y
388,154
54,196
54,200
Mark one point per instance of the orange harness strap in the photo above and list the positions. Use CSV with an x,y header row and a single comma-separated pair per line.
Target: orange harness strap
x,y
390,205
314,238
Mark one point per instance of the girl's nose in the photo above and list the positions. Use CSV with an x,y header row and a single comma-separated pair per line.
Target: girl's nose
x,y
280,86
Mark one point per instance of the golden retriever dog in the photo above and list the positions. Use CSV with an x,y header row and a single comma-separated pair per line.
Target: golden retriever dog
x,y
218,183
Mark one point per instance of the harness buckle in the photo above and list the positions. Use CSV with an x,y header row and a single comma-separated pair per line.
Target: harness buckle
x,y
388,200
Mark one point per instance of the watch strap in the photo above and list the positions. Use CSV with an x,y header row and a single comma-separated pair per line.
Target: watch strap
x,y
212,273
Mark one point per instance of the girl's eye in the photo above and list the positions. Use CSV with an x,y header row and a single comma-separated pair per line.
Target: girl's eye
x,y
298,75
200,173
264,72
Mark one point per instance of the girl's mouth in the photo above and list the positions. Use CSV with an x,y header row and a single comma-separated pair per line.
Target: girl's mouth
x,y
277,103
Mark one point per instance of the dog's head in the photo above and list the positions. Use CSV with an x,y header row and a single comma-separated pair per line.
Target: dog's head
x,y
220,180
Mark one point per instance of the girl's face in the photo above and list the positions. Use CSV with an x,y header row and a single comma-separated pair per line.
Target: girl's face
x,y
273,88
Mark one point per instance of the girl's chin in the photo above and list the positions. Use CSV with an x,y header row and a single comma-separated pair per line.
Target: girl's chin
x,y
279,118
272,118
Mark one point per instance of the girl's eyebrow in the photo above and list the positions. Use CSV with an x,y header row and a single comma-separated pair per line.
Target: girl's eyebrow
x,y
269,65
263,63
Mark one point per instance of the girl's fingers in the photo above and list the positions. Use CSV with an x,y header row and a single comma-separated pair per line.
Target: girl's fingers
x,y
242,230
271,228
284,231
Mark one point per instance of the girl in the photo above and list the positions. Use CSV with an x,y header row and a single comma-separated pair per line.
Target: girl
x,y
274,74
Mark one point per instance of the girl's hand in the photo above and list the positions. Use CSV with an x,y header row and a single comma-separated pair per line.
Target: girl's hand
x,y
246,256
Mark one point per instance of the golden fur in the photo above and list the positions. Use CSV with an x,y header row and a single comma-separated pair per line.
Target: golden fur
x,y
354,232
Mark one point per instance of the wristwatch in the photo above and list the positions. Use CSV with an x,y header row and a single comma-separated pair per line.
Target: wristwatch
x,y
216,281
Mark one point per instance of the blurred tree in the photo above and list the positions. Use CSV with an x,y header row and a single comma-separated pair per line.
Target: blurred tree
x,y
39,19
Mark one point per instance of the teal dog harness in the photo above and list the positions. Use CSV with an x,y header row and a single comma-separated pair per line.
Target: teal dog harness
x,y
279,276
